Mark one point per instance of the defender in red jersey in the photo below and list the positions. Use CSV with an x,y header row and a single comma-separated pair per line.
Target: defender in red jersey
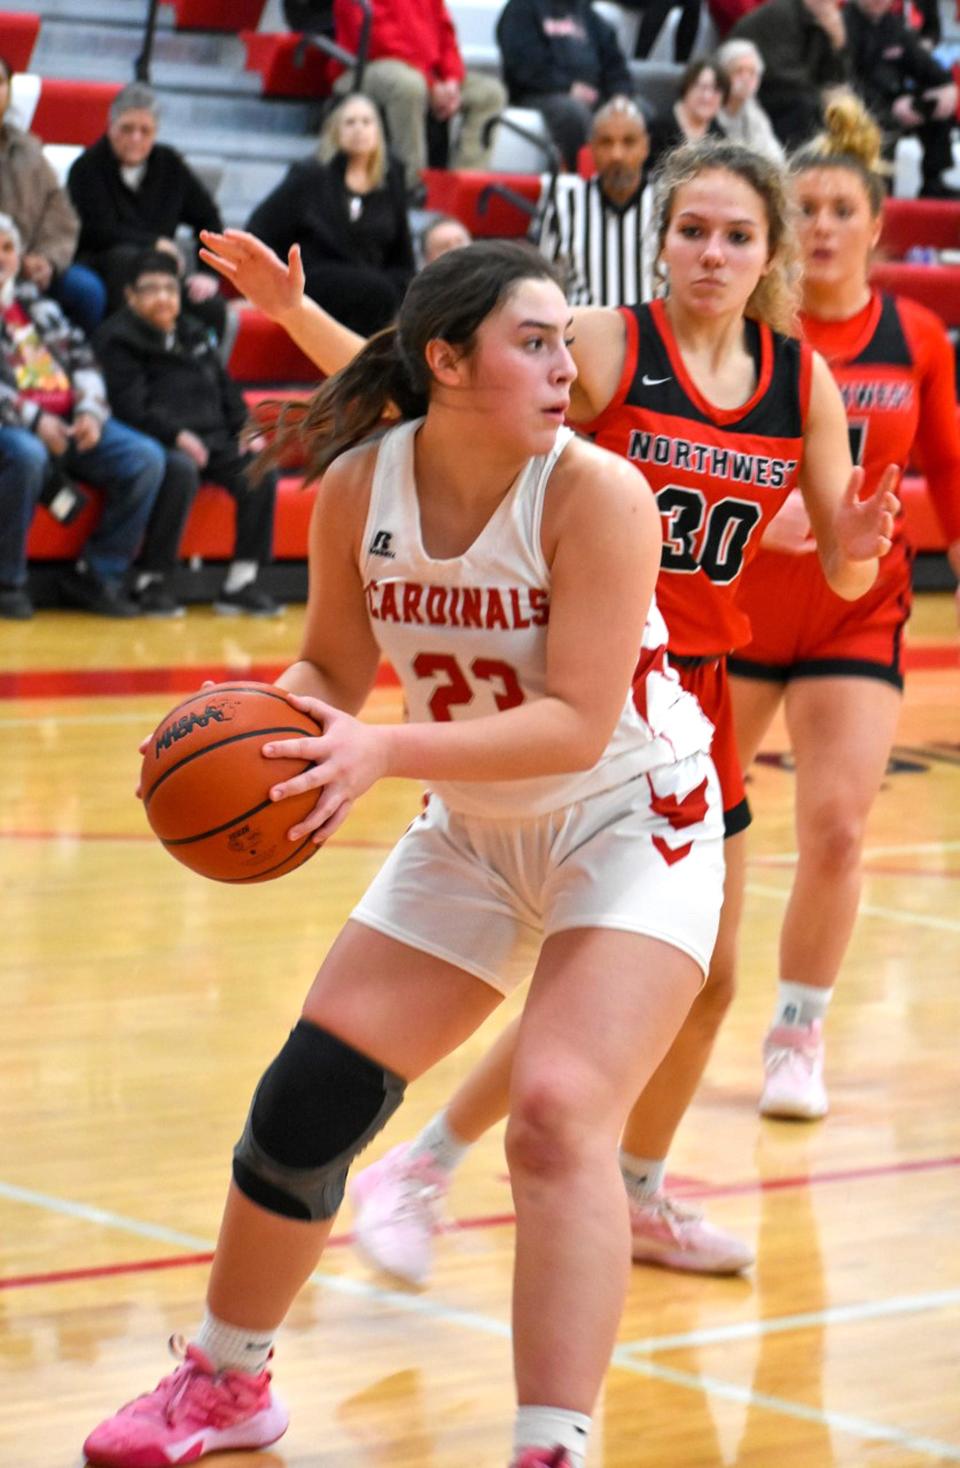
x,y
756,414
838,665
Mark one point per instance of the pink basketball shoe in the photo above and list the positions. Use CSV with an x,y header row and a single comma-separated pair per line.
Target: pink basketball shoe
x,y
793,1085
665,1232
195,1410
396,1206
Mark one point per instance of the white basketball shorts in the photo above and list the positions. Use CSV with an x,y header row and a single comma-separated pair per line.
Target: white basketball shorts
x,y
645,857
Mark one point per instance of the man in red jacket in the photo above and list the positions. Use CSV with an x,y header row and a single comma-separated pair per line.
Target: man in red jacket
x,y
414,68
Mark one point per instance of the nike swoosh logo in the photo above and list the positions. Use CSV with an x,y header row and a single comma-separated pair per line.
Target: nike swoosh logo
x,y
654,381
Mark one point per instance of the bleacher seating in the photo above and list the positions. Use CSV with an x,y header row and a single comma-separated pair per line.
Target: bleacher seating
x,y
217,15
262,354
908,223
60,110
284,72
18,36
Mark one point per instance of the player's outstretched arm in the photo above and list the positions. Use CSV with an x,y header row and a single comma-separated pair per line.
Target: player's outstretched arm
x,y
851,534
277,288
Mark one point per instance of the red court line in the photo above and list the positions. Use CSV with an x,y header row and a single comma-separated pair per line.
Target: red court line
x,y
99,682
682,1187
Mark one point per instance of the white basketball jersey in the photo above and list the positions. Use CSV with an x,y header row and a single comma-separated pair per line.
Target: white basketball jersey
x,y
468,636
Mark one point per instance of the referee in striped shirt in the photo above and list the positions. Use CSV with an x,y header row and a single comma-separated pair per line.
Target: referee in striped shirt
x,y
599,230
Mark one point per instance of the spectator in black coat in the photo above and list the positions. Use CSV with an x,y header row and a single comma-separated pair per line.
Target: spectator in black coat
x,y
165,377
804,48
132,193
562,58
904,87
349,217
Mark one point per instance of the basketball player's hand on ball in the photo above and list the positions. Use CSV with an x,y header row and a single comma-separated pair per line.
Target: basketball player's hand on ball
x,y
348,757
865,527
789,531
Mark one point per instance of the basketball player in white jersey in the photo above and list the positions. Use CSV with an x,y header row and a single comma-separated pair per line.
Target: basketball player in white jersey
x,y
507,570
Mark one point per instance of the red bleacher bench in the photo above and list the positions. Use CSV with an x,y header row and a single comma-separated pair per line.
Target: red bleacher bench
x,y
60,110
217,15
450,191
210,528
911,222
18,36
273,56
263,352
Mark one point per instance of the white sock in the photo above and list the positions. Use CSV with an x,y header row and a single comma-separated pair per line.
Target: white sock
x,y
239,575
231,1348
643,1176
800,1004
552,1427
443,1146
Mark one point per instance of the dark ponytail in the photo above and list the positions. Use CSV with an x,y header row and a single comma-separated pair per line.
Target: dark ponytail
x,y
447,301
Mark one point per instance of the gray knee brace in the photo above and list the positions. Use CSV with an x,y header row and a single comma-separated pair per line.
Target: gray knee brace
x,y
317,1106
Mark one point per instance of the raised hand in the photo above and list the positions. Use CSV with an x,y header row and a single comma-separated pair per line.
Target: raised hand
x,y
865,527
255,270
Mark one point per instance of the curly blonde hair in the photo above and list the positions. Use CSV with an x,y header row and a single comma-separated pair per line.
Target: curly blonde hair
x,y
775,297
851,139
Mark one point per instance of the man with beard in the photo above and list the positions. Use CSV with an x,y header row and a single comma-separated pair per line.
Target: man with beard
x,y
597,229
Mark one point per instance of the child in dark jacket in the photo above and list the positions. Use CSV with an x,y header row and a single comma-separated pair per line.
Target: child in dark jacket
x,y
162,367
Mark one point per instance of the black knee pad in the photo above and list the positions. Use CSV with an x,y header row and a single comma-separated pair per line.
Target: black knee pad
x,y
317,1106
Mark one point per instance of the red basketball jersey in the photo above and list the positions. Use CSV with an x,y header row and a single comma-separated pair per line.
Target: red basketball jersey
x,y
719,474
894,366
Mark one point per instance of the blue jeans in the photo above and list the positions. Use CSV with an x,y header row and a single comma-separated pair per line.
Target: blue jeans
x,y
127,466
83,296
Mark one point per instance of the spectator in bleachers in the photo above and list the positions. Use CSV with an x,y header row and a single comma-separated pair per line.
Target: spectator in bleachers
x,y
804,48
442,234
907,91
346,209
54,420
741,117
31,194
703,91
562,58
132,194
598,229
654,14
415,70
165,377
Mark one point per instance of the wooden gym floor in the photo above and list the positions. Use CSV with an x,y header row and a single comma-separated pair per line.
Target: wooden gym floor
x,y
142,1002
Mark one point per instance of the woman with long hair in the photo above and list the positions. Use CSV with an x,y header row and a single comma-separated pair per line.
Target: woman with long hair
x,y
694,115
507,569
838,667
724,415
346,208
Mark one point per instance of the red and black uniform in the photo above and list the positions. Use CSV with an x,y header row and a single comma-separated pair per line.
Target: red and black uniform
x,y
894,366
719,475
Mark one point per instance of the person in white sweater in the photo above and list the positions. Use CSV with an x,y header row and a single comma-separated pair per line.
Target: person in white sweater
x,y
741,116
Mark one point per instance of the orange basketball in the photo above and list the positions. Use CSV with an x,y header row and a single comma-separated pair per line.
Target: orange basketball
x,y
205,783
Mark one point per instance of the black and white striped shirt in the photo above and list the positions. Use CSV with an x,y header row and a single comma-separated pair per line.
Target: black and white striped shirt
x,y
606,251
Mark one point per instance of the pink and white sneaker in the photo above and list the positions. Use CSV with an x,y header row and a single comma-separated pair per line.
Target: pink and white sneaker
x,y
396,1205
668,1233
195,1410
793,1084
542,1458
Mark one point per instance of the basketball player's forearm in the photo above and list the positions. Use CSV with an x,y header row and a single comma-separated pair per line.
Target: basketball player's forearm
x,y
326,341
548,737
306,679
